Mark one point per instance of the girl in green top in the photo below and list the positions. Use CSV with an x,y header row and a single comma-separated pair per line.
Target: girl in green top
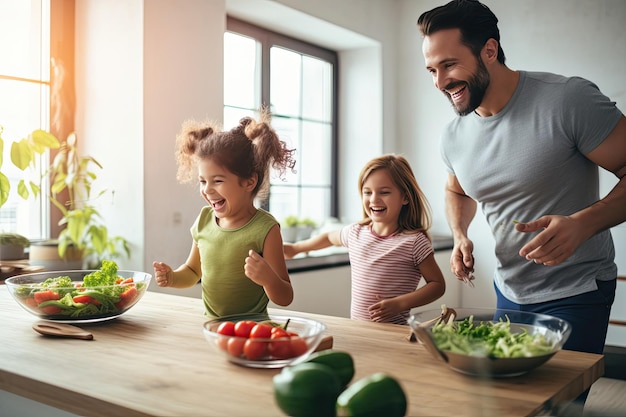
x,y
237,250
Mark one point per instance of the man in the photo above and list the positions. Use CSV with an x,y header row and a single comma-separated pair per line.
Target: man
x,y
527,147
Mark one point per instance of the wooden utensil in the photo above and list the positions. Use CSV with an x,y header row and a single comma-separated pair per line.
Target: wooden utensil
x,y
61,330
446,314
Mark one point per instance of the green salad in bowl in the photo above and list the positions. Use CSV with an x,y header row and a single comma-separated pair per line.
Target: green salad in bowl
x,y
491,342
79,296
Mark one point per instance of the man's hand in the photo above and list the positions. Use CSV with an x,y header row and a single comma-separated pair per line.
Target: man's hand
x,y
559,239
462,260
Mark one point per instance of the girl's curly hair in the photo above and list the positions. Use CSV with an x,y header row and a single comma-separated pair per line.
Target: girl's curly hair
x,y
251,147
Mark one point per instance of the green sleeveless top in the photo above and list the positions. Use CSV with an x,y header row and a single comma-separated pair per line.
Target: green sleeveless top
x,y
225,287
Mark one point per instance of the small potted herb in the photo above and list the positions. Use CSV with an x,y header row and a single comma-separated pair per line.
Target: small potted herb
x,y
12,246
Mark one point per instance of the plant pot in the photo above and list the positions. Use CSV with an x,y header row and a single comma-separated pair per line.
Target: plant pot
x,y
46,254
289,234
11,252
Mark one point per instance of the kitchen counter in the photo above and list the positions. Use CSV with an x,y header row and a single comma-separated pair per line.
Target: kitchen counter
x,y
338,256
154,361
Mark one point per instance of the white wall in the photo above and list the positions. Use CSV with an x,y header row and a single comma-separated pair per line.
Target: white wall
x,y
109,119
145,66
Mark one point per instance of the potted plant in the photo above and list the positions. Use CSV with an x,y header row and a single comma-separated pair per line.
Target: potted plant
x,y
84,240
289,230
294,229
12,246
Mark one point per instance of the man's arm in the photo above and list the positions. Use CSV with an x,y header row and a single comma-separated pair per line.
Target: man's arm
x,y
562,235
460,211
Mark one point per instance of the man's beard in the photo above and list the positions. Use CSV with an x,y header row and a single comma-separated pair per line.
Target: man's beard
x,y
476,87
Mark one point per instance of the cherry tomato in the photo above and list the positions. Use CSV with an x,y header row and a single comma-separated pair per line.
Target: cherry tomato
x,y
51,310
222,342
279,332
243,328
226,328
253,349
280,345
261,331
235,346
298,346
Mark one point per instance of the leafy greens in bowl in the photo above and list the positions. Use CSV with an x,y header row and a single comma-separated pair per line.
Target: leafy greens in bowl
x,y
490,342
79,296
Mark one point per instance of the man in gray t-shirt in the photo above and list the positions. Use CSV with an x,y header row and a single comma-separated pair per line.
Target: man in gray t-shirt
x,y
527,147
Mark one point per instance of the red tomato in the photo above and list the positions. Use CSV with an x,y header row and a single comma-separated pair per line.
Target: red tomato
x,y
235,346
126,298
226,328
47,295
261,331
30,302
83,299
253,349
243,328
298,346
280,345
222,342
51,309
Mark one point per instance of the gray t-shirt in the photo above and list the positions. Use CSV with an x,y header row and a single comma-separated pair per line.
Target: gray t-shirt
x,y
528,161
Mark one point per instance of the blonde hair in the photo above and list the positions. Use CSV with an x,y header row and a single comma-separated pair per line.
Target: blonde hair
x,y
250,148
414,216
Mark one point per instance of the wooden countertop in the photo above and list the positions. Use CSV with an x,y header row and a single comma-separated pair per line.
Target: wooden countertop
x,y
154,361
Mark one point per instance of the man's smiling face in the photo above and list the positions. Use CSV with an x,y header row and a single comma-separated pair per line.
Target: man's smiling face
x,y
456,71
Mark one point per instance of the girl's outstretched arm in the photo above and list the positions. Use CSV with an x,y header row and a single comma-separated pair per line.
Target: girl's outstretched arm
x,y
270,270
318,242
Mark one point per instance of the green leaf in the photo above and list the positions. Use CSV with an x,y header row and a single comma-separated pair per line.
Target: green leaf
x,y
22,189
5,187
21,154
41,140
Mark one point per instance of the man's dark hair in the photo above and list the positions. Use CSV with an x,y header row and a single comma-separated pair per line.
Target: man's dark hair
x,y
476,22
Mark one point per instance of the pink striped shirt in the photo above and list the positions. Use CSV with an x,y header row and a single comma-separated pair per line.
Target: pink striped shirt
x,y
385,266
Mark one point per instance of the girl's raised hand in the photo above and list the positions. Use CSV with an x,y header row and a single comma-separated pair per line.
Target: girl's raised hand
x,y
256,268
162,274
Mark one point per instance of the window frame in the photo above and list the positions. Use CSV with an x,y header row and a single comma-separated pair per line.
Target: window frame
x,y
267,39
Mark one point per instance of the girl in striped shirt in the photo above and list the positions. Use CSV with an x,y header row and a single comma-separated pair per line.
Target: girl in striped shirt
x,y
390,250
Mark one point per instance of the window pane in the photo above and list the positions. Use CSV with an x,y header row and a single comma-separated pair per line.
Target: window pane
x,y
232,116
288,130
315,204
24,104
241,69
20,39
285,77
315,156
301,94
316,89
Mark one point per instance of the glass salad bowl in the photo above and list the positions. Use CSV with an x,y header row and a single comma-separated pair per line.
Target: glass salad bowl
x,y
491,342
264,340
78,296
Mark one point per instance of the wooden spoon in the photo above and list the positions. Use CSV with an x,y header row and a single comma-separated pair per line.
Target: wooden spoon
x,y
61,330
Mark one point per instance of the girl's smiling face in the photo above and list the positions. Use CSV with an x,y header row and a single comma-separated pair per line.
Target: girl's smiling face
x,y
229,196
382,201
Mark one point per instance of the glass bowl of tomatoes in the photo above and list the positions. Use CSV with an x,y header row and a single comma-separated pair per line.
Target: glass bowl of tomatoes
x,y
78,296
264,340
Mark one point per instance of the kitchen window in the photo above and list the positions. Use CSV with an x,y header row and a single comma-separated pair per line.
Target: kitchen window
x,y
299,81
24,103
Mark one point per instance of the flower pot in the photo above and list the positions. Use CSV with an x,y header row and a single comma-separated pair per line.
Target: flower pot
x,y
11,252
46,254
